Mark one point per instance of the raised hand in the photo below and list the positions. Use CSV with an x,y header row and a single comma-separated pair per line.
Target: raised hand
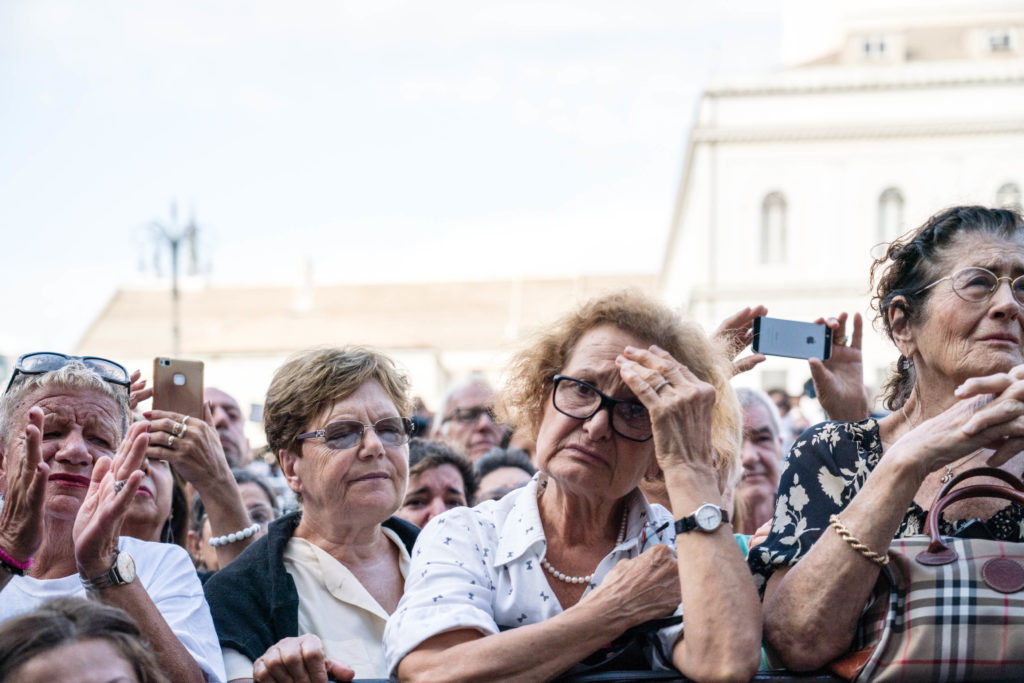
x,y
679,404
839,381
137,392
301,660
25,474
111,490
191,446
737,332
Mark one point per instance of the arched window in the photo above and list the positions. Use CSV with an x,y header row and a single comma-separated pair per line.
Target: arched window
x,y
1008,196
773,228
890,215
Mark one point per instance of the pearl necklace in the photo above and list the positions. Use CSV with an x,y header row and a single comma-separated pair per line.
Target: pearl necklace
x,y
586,579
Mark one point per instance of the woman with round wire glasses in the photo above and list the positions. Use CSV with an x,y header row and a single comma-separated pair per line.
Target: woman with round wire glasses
x,y
957,397
310,599
526,587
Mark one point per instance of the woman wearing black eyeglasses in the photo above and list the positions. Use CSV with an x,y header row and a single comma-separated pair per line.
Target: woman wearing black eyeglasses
x,y
949,295
310,599
527,587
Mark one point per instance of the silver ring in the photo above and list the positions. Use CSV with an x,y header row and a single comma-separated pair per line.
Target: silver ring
x,y
118,485
184,420
170,442
840,341
661,385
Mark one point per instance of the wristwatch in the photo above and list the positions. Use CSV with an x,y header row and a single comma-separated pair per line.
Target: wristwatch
x,y
121,573
707,518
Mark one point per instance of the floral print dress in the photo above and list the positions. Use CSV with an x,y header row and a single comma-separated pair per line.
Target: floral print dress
x,y
826,468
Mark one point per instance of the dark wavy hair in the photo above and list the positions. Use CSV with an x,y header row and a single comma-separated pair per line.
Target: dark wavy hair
x,y
917,259
425,454
67,620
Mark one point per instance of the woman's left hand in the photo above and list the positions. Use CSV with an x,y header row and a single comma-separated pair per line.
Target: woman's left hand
x,y
737,332
137,392
111,490
679,404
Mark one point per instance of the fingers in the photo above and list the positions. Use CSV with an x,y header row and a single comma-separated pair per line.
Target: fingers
x,y
132,450
1006,450
858,331
208,413
298,659
338,671
748,362
992,384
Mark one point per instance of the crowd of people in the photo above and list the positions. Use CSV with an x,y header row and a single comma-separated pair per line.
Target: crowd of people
x,y
617,503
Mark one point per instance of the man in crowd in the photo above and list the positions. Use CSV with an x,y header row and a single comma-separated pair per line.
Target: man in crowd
x,y
467,419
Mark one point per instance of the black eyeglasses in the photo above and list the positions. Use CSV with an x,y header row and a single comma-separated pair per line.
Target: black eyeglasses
x,y
343,434
977,284
470,415
581,400
42,362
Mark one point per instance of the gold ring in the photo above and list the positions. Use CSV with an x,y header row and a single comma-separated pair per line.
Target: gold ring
x,y
170,442
177,429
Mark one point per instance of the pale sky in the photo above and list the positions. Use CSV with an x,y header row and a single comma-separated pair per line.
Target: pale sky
x,y
384,140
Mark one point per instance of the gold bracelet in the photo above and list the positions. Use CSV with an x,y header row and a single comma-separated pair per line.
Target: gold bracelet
x,y
844,533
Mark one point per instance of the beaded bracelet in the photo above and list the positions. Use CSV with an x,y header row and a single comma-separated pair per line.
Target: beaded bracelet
x,y
12,566
851,540
235,536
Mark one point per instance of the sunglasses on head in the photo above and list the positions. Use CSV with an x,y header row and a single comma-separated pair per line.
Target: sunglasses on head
x,y
42,362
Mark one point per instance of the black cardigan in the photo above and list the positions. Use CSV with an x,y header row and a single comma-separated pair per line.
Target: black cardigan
x,y
253,600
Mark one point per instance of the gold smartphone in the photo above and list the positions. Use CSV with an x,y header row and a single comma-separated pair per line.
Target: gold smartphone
x,y
178,386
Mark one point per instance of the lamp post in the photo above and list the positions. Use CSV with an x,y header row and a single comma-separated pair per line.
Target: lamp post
x,y
174,236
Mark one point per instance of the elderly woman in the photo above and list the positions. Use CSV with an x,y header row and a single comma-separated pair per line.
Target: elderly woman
x,y
311,598
440,478
65,637
761,456
957,402
528,586
70,468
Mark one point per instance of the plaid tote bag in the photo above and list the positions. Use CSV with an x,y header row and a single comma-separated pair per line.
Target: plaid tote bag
x,y
945,609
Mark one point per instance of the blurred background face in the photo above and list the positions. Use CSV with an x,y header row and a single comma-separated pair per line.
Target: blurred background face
x,y
432,492
230,424
761,454
467,423
497,483
152,503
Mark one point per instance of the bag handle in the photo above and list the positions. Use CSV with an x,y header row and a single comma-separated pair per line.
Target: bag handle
x,y
993,472
937,552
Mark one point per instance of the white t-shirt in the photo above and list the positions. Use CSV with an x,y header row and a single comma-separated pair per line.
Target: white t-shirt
x,y
167,574
335,606
479,568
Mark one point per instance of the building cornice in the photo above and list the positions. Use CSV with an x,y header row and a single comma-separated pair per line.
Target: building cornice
x,y
848,78
736,134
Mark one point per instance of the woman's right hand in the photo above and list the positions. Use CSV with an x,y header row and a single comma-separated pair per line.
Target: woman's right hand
x,y
301,660
989,413
641,588
21,521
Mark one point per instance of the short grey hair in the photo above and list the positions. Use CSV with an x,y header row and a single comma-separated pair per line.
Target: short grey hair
x,y
74,375
755,397
472,380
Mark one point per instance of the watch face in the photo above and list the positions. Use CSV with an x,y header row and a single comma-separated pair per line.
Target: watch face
x,y
708,517
125,567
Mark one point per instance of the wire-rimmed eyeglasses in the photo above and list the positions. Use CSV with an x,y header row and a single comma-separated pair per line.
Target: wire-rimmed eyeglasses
x,y
343,434
976,284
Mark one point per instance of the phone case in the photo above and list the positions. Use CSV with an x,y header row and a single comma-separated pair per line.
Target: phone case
x,y
178,386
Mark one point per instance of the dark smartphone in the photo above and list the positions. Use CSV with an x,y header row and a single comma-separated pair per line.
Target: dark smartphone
x,y
792,338
178,386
